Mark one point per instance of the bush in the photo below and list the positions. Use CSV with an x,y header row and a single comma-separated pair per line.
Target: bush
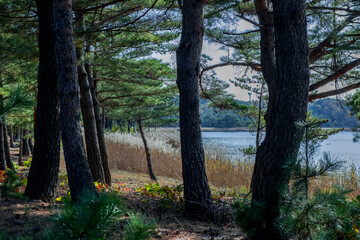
x,y
92,217
138,228
89,218
11,184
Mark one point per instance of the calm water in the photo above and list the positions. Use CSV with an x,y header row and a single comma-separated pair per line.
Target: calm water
x,y
340,146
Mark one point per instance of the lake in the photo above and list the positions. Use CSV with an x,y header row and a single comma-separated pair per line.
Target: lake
x,y
340,146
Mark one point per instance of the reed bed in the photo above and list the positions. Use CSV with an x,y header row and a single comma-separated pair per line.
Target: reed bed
x,y
126,152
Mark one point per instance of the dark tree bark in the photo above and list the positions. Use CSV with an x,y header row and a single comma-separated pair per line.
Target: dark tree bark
x,y
288,82
11,137
99,128
31,146
2,149
44,170
80,179
9,160
196,189
87,110
21,140
25,143
147,152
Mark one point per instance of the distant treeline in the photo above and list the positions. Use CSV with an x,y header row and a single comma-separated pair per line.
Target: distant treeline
x,y
334,110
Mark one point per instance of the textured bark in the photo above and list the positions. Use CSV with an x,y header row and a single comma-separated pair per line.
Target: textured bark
x,y
11,137
147,152
80,179
31,146
20,159
87,110
288,106
2,149
25,143
44,170
99,128
196,189
9,160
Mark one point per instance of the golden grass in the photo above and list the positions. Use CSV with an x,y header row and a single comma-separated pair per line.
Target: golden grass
x,y
220,172
130,160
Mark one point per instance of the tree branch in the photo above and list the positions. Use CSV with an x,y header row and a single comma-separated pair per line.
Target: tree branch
x,y
334,92
335,75
313,56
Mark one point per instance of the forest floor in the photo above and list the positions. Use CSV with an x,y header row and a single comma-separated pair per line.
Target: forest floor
x,y
23,218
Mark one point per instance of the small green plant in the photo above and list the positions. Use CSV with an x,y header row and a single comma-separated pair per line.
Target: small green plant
x,y
327,214
12,184
248,218
138,228
89,218
27,163
168,195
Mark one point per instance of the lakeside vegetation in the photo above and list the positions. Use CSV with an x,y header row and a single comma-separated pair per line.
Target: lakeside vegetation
x,y
70,70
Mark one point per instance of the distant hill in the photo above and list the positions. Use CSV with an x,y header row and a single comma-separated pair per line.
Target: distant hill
x,y
334,110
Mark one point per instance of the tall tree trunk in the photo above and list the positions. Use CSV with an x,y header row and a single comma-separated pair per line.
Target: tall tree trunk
x,y
80,179
87,110
9,160
196,189
31,146
25,143
11,135
44,170
2,121
288,93
21,140
147,152
2,149
99,128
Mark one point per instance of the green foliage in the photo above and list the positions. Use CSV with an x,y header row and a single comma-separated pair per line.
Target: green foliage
x,y
138,228
335,111
89,218
250,219
11,184
168,195
327,213
27,163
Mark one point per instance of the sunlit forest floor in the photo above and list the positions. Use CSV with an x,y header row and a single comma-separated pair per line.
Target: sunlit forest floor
x,y
163,203
21,217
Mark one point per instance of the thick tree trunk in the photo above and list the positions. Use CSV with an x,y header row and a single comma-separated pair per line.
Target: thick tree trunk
x,y
287,105
147,152
87,109
196,189
99,128
21,140
80,179
9,160
44,170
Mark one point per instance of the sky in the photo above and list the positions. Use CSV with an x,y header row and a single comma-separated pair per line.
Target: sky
x,y
223,73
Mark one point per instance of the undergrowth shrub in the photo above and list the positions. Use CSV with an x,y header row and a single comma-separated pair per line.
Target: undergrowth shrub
x,y
12,184
138,228
92,217
168,195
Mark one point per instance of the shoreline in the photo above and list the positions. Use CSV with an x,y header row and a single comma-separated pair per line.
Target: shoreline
x,y
245,129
